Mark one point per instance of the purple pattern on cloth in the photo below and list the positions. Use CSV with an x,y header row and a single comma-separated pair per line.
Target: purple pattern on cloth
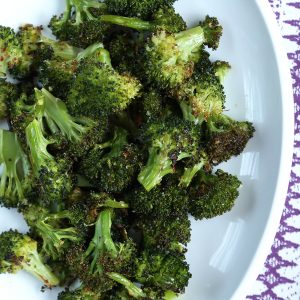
x,y
273,280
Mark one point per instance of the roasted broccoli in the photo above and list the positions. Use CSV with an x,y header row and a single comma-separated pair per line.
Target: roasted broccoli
x,y
142,9
16,174
57,74
80,24
163,270
23,52
19,252
169,142
226,138
164,19
211,195
99,90
113,165
55,229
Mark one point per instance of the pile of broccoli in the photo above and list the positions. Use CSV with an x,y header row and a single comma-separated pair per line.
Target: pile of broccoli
x,y
115,131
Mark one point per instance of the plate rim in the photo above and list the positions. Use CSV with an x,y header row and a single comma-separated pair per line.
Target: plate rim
x,y
286,157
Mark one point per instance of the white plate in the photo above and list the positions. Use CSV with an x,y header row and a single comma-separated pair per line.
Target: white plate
x,y
226,253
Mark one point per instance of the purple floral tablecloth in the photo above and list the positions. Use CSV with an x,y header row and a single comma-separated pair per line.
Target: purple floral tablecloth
x,y
280,276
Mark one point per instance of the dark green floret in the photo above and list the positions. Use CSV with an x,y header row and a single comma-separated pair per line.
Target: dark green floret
x,y
163,270
212,195
227,138
142,9
170,141
54,179
80,24
162,202
103,255
113,165
19,252
57,74
98,89
8,93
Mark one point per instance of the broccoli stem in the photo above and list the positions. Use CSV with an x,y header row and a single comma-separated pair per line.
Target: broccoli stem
x,y
57,116
89,51
38,146
96,245
189,174
106,217
190,40
53,238
132,289
158,165
104,57
10,155
134,23
37,268
61,49
83,6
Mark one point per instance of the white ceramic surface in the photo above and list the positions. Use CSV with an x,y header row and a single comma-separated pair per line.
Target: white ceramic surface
x,y
226,253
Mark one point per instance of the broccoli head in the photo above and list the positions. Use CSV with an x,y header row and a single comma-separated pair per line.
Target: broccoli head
x,y
163,270
102,256
19,252
11,53
80,23
98,89
8,92
211,195
114,170
170,58
57,74
161,202
55,229
170,141
53,179
226,138
166,233
143,9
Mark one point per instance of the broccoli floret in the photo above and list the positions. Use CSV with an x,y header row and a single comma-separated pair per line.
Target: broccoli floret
x,y
170,141
11,53
57,74
152,106
22,53
98,89
163,270
142,9
54,181
53,113
164,19
221,69
170,58
19,252
102,255
166,233
34,42
201,97
55,229
80,23
226,138
114,170
8,92
126,52
15,178
161,202
211,195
